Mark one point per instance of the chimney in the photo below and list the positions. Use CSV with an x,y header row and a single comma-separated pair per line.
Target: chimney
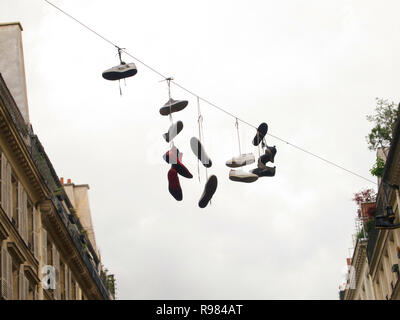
x,y
62,180
12,66
69,181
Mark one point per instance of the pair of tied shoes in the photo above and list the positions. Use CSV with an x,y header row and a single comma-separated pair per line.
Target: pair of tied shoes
x,y
241,175
212,182
261,171
174,157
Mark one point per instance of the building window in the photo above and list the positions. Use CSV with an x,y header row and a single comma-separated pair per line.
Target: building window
x,y
49,252
62,280
14,198
30,224
15,281
73,289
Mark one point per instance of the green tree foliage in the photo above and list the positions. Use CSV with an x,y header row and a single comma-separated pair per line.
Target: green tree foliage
x,y
385,119
378,168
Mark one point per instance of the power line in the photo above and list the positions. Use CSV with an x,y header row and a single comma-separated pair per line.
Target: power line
x,y
203,99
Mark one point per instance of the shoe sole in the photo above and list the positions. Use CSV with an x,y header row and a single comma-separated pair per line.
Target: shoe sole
x,y
209,190
261,132
263,173
118,75
166,110
246,179
200,153
169,137
182,170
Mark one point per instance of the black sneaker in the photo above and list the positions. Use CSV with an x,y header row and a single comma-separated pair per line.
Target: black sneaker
x,y
209,190
272,150
124,70
172,106
261,132
264,172
199,152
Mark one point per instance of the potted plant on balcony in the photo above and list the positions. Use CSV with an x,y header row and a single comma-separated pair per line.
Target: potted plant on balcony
x,y
72,216
59,194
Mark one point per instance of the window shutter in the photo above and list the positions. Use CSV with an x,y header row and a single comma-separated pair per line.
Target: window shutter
x,y
56,264
21,286
26,292
20,213
4,182
66,282
4,275
44,247
9,277
24,208
8,191
76,291
35,230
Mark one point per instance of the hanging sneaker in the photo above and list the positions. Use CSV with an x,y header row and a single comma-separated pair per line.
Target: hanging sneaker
x,y
124,70
383,222
264,172
269,155
173,131
242,176
174,187
272,150
209,190
240,161
199,152
172,106
261,132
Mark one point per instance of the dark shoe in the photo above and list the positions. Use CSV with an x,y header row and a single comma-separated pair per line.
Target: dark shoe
x,y
264,172
124,70
261,132
209,190
174,157
173,131
382,222
174,186
272,150
199,152
172,106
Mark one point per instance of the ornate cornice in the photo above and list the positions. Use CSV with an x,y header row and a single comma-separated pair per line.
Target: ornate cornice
x,y
14,130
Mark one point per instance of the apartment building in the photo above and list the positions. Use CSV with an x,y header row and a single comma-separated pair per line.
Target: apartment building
x,y
47,242
374,268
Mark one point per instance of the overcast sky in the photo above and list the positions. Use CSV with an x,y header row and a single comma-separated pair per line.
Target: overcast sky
x,y
310,69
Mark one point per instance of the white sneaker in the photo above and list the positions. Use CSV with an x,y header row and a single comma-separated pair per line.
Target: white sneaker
x,y
242,176
124,70
240,161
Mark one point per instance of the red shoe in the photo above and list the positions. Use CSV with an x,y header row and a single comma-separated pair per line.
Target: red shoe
x,y
174,186
174,157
